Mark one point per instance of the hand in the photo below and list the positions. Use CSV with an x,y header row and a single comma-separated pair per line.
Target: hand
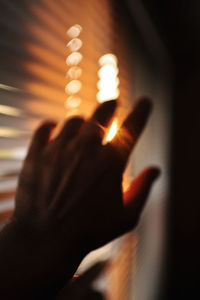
x,y
69,199
80,288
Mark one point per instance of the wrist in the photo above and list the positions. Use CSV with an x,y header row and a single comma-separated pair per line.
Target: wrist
x,y
35,261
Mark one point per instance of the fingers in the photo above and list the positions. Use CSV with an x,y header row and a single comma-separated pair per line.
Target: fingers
x,y
40,138
135,197
131,129
70,129
94,128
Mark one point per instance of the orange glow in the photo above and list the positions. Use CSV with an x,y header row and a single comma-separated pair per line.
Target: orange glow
x,y
111,132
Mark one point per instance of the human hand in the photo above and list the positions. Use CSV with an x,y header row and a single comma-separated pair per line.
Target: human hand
x,y
69,199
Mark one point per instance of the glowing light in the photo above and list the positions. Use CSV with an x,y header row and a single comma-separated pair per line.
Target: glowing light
x,y
74,59
107,94
108,58
75,44
73,101
73,87
108,83
74,31
74,72
108,71
104,83
111,132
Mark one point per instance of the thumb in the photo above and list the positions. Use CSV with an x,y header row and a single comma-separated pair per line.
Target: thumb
x,y
135,197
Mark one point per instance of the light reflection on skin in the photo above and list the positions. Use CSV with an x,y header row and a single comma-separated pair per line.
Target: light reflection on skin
x,y
112,131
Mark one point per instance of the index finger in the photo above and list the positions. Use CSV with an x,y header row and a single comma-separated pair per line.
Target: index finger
x,y
94,128
132,128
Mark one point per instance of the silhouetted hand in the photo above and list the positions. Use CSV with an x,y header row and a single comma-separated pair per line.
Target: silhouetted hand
x,y
80,288
69,199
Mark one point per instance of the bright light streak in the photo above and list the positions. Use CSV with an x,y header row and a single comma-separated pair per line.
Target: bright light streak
x,y
73,101
74,31
9,132
73,87
10,111
75,44
74,59
111,132
74,72
8,88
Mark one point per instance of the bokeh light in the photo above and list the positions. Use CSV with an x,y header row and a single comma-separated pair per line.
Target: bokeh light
x,y
73,87
73,101
109,82
74,58
74,72
74,31
75,44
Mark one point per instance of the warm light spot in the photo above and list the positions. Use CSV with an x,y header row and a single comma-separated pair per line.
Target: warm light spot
x,y
107,94
74,58
74,72
73,101
108,71
74,31
104,83
75,44
112,131
108,83
73,87
108,58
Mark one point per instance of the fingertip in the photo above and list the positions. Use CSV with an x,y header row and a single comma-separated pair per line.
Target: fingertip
x,y
153,172
144,102
42,133
104,112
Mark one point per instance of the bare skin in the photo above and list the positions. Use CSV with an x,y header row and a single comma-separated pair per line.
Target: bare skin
x,y
70,201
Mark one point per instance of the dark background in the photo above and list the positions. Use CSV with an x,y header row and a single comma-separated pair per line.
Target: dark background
x,y
178,23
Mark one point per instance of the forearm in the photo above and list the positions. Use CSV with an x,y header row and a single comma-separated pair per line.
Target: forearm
x,y
30,267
